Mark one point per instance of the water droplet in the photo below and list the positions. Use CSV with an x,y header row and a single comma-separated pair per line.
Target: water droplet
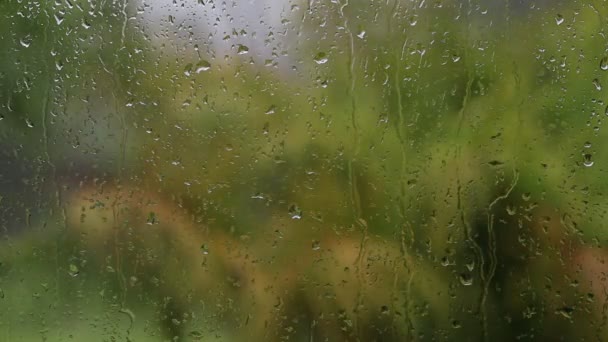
x,y
295,212
597,84
316,245
455,58
566,311
202,65
270,110
604,63
587,160
413,20
29,123
242,49
559,19
456,324
188,69
152,219
26,41
321,58
73,270
466,279
361,34
205,249
384,309
59,18
511,209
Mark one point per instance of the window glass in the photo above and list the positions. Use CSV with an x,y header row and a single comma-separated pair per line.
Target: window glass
x,y
306,170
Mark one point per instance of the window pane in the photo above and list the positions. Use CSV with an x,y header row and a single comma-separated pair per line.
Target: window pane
x,y
268,170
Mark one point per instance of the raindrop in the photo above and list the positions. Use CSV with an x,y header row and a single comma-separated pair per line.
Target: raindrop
x,y
361,34
295,212
202,65
455,58
242,49
604,63
205,249
188,69
29,123
316,245
73,270
456,324
566,311
587,160
26,41
597,84
152,219
321,58
270,110
511,209
466,279
559,19
59,18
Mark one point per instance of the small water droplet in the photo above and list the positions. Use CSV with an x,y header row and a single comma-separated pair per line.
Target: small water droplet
x,y
455,58
29,123
587,160
413,20
242,49
73,270
188,69
597,84
384,309
270,110
321,58
361,34
59,18
152,219
295,212
511,209
26,41
566,311
456,324
466,279
604,63
559,19
205,249
316,245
